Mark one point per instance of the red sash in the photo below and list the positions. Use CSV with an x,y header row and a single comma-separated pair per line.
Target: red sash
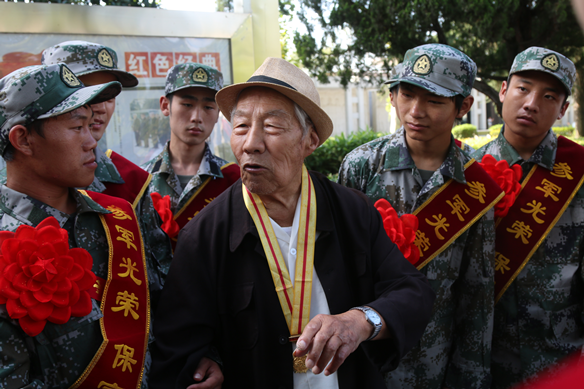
x,y
135,178
125,325
460,144
452,210
544,197
210,189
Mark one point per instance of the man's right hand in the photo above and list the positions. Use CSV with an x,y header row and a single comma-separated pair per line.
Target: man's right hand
x,y
208,375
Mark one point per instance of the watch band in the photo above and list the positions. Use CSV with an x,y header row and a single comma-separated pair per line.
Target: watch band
x,y
376,326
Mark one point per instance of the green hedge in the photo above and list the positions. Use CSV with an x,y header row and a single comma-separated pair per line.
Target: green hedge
x,y
495,130
464,131
328,157
565,131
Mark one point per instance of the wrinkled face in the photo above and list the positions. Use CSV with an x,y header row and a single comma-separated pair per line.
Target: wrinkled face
x,y
102,112
193,113
64,154
267,141
532,102
424,115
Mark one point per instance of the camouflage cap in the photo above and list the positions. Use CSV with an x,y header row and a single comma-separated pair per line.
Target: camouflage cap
x,y
187,75
545,60
440,69
41,91
86,57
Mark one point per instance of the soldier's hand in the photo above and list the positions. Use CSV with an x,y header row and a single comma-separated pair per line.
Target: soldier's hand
x,y
331,338
208,375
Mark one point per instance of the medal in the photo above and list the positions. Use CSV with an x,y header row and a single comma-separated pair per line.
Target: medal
x,y
294,299
299,365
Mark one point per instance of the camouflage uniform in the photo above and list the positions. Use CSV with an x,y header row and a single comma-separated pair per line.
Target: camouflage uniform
x,y
164,180
60,353
455,350
538,320
85,58
58,356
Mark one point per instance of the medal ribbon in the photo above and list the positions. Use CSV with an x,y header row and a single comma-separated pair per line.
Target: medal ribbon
x,y
294,300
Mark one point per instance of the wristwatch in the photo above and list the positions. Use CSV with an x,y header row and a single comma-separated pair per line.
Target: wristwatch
x,y
373,318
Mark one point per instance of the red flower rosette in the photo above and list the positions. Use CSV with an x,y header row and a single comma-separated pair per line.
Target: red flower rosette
x,y
41,278
162,206
401,230
507,178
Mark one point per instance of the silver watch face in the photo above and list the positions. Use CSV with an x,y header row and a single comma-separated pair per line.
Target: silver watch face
x,y
373,317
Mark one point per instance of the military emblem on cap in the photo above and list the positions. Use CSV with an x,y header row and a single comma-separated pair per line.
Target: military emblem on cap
x,y
551,62
105,59
200,75
69,78
423,65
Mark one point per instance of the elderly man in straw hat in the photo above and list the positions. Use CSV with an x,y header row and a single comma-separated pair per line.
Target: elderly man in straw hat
x,y
290,276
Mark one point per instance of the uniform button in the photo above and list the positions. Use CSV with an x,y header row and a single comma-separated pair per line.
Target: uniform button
x,y
283,339
293,251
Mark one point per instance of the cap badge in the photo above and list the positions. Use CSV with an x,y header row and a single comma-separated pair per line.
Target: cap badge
x,y
550,62
423,65
105,59
69,78
200,75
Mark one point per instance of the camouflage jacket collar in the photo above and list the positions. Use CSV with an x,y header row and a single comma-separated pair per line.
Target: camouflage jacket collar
x,y
209,167
106,172
31,211
452,167
544,155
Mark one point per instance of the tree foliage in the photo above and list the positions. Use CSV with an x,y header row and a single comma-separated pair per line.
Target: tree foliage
x,y
491,32
126,3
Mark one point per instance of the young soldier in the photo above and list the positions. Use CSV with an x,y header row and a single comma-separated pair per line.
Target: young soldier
x,y
539,286
96,64
186,169
46,142
420,170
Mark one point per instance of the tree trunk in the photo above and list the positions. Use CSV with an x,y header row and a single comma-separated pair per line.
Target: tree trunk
x,y
491,93
579,97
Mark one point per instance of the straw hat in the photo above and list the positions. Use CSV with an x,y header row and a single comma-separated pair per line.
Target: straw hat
x,y
282,76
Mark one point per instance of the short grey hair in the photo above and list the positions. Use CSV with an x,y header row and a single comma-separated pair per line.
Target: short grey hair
x,y
301,115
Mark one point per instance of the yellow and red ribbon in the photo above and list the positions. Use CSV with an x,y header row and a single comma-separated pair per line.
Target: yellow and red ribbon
x,y
294,299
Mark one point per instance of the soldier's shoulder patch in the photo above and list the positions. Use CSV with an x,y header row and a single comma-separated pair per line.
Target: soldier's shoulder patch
x,y
551,62
200,75
69,78
105,59
423,65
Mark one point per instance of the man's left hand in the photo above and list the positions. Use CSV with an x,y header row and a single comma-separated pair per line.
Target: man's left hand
x,y
331,338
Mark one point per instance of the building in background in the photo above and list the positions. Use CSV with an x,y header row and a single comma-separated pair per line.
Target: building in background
x,y
360,107
148,42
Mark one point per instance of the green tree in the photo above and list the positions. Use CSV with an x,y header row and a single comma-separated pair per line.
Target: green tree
x,y
127,3
491,32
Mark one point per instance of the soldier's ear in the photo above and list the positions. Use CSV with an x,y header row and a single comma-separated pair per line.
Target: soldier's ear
x,y
165,105
19,137
465,107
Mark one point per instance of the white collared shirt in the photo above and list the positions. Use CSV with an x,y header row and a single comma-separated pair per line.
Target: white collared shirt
x,y
287,240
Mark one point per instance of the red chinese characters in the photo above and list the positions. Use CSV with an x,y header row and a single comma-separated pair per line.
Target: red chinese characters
x,y
41,278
